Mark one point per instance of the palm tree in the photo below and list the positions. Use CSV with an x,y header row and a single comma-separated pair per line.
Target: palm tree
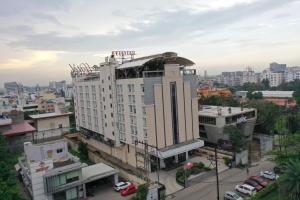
x,y
289,183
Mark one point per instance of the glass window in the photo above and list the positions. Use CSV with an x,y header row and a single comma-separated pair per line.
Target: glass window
x,y
59,150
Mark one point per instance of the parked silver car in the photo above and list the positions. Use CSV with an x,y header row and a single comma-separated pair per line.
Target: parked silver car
x,y
232,196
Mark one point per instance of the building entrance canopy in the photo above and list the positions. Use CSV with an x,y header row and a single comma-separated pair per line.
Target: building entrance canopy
x,y
96,172
177,149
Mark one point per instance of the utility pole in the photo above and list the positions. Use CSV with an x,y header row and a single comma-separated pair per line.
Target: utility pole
x,y
217,175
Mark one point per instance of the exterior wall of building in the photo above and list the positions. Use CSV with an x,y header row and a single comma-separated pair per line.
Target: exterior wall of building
x,y
46,174
160,110
131,117
54,151
95,103
214,131
275,78
291,74
37,172
160,130
52,123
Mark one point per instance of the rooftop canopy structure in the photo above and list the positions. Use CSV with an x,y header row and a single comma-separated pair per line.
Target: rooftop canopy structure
x,y
150,66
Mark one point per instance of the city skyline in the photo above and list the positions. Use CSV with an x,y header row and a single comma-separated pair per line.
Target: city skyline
x,y
40,39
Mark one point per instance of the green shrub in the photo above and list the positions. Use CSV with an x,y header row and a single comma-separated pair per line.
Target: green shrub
x,y
142,192
180,172
265,191
180,180
196,170
226,161
201,165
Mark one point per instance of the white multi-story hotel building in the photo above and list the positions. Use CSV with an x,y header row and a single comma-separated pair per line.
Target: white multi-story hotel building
x,y
151,99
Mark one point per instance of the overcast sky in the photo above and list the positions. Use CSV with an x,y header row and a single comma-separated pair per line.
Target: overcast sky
x,y
39,38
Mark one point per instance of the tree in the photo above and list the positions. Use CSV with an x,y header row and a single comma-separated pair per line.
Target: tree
x,y
141,193
265,84
290,181
83,150
8,186
254,95
236,137
220,101
267,114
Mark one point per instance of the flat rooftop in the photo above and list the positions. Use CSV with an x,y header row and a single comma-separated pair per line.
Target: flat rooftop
x,y
208,110
48,115
97,171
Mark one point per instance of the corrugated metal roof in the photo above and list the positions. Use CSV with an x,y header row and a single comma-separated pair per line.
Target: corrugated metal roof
x,y
134,63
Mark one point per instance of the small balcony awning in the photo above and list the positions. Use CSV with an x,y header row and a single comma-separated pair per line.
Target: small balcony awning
x,y
177,149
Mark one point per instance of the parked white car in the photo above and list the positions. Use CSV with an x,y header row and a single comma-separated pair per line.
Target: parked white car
x,y
245,189
269,175
232,196
121,185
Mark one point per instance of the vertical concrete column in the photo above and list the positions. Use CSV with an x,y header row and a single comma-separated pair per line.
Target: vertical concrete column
x,y
186,155
84,191
176,159
162,163
116,178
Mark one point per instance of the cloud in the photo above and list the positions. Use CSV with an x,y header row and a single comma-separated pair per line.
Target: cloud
x,y
46,17
35,58
165,28
17,7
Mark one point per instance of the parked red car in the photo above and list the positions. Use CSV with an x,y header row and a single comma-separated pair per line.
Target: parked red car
x,y
129,190
259,180
254,184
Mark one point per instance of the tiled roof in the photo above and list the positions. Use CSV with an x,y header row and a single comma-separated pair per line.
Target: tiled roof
x,y
19,129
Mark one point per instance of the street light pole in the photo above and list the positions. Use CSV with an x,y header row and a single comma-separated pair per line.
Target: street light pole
x,y
217,175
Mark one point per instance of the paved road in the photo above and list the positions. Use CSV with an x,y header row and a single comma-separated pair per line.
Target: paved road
x,y
206,189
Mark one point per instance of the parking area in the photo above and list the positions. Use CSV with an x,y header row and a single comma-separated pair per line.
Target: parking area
x,y
105,191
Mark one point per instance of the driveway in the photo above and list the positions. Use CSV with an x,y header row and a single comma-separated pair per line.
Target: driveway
x,y
206,188
105,191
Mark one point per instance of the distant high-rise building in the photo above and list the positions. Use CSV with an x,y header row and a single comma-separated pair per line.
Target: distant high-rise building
x,y
237,78
11,88
275,67
275,78
291,74
58,86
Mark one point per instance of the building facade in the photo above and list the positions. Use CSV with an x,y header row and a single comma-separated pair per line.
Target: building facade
x,y
275,67
49,172
213,119
275,78
149,100
50,125
238,77
292,74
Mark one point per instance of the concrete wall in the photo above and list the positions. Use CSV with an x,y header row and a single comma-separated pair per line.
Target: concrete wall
x,y
52,123
46,151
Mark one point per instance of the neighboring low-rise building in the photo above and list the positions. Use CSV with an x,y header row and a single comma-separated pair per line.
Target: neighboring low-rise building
x,y
50,172
17,134
280,98
213,119
207,92
50,125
